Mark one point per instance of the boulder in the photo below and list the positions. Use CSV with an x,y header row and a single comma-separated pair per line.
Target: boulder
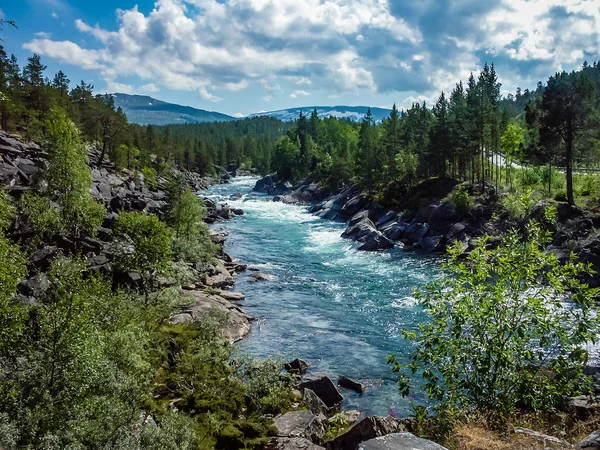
x,y
591,442
365,232
399,441
300,424
34,286
366,429
297,366
43,257
584,406
541,437
261,277
431,244
237,323
283,443
324,388
359,216
315,405
351,384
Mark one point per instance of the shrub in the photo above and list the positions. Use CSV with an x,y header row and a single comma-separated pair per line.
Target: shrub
x,y
460,200
192,241
150,177
143,246
7,210
561,195
498,336
43,217
518,205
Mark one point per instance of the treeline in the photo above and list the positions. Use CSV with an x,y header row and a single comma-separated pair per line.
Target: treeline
x,y
28,96
463,135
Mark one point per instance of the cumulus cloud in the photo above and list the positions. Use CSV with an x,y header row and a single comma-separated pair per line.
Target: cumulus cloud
x,y
340,46
299,93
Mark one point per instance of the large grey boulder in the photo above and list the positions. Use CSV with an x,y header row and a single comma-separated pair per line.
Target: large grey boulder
x,y
316,406
300,424
324,388
366,429
367,234
591,442
400,441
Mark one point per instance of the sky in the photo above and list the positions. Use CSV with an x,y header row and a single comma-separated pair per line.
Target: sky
x,y
246,56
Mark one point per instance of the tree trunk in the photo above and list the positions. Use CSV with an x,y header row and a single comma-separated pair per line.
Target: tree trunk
x,y
569,165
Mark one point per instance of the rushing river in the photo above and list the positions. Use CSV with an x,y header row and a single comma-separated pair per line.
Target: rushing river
x,y
340,309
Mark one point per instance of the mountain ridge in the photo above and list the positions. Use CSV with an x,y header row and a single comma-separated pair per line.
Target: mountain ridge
x,y
146,110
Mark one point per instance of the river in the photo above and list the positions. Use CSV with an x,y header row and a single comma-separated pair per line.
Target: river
x,y
340,309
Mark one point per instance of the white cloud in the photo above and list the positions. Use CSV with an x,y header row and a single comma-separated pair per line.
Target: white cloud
x,y
54,15
238,115
150,87
338,46
298,93
43,35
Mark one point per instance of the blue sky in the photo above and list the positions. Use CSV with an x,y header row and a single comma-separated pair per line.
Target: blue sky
x,y
246,56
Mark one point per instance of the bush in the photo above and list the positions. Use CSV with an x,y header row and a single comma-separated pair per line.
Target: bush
x,y
518,205
460,200
561,195
43,217
7,210
192,241
498,336
150,178
143,246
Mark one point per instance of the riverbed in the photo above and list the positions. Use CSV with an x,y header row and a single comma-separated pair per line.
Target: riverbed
x,y
338,308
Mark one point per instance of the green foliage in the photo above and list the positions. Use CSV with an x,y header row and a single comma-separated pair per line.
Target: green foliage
x,y
69,176
192,241
41,215
518,205
406,167
460,200
150,177
336,426
7,210
143,246
499,335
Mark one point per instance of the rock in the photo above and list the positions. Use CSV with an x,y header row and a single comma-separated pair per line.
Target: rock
x,y
399,441
431,244
117,204
366,429
232,296
591,442
359,216
365,232
34,286
42,258
315,405
325,390
351,384
237,323
299,424
282,443
297,366
237,212
540,436
262,277
219,277
584,406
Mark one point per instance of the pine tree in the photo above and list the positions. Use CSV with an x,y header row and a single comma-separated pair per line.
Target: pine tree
x,y
392,140
440,137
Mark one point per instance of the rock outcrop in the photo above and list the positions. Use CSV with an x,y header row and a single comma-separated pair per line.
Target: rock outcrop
x,y
400,441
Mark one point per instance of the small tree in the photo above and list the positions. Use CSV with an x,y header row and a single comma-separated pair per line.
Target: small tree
x,y
499,335
69,176
143,246
192,241
406,167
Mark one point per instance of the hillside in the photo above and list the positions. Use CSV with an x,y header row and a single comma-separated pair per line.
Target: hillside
x,y
146,110
355,113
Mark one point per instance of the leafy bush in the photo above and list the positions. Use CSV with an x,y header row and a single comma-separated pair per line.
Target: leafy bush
x,y
150,177
7,210
561,195
498,336
143,246
41,214
460,200
336,426
192,241
518,205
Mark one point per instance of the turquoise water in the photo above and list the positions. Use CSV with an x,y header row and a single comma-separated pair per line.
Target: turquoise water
x,y
340,309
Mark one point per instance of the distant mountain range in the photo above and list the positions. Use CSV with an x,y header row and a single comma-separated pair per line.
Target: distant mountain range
x,y
146,110
150,111
341,112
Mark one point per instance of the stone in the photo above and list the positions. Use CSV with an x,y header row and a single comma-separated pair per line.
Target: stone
x,y
232,296
431,244
42,258
365,232
237,323
584,406
399,441
297,366
300,424
315,405
591,442
351,384
366,429
283,443
324,388
262,277
34,286
536,435
237,212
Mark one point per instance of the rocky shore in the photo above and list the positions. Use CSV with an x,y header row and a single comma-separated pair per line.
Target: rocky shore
x,y
422,220
21,166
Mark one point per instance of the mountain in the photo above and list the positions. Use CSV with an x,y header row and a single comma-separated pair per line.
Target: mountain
x,y
349,112
150,111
